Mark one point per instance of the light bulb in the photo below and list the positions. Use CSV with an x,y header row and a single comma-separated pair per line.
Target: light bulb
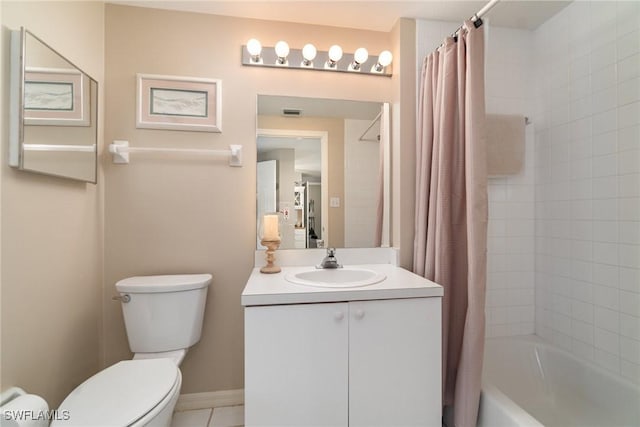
x,y
254,47
335,53
361,55
309,52
385,58
282,50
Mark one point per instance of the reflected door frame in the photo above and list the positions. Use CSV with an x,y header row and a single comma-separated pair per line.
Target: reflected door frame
x,y
324,179
266,195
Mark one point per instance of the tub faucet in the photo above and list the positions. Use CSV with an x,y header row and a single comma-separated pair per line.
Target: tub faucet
x,y
330,260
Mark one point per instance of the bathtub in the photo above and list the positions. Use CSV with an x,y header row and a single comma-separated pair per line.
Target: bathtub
x,y
528,382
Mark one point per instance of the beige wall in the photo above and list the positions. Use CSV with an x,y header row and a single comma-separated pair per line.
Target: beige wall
x,y
403,139
161,215
51,230
170,215
335,132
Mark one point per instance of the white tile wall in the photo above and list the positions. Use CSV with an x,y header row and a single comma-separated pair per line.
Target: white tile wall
x,y
510,281
564,235
587,234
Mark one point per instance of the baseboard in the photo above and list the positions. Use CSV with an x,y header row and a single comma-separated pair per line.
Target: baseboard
x,y
212,399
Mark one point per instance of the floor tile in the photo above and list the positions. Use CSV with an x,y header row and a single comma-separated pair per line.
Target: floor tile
x,y
196,418
229,416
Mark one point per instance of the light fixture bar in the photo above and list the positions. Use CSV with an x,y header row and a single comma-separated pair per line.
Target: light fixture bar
x,y
295,61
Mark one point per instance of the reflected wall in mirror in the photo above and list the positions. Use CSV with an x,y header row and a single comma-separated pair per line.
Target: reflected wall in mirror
x,y
323,164
53,108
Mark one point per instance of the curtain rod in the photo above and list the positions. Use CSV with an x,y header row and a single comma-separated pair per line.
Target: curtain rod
x,y
487,7
476,18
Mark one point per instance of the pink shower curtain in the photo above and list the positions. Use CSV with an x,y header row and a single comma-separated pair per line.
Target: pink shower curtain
x,y
451,210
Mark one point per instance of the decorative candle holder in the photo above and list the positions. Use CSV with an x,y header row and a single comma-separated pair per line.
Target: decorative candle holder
x,y
272,245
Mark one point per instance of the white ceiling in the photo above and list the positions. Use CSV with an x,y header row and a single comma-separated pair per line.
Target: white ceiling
x,y
366,14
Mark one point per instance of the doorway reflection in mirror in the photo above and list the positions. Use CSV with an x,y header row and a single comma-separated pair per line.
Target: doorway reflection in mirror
x,y
323,166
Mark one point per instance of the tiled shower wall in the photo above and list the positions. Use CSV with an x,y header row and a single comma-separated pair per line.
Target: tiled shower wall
x,y
587,182
564,234
510,235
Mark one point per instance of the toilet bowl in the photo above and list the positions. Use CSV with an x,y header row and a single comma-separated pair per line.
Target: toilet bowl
x,y
130,393
163,318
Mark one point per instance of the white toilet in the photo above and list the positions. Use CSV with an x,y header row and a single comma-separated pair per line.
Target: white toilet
x,y
163,317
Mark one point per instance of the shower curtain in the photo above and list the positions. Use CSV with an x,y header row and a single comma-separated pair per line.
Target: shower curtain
x,y
451,210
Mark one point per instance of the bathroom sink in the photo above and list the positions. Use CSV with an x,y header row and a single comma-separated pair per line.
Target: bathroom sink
x,y
336,277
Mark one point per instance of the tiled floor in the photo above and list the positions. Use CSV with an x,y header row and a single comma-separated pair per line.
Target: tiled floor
x,y
229,416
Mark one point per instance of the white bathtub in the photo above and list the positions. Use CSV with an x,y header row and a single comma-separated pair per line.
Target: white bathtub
x,y
527,382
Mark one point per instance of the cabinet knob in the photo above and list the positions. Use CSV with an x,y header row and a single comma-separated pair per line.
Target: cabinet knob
x,y
359,314
338,315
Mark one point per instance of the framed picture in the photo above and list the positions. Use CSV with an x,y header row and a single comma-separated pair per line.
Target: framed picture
x,y
56,97
179,103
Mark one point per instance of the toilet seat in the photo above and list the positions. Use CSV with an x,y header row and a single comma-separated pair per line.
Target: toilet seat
x,y
122,394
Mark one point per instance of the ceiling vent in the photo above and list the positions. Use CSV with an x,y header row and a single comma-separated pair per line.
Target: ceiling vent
x,y
291,112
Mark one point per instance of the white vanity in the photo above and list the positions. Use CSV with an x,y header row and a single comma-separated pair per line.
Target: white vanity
x,y
342,356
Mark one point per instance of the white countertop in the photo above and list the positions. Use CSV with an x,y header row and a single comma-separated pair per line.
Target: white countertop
x,y
271,289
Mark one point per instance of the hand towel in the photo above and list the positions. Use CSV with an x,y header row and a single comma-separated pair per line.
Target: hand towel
x,y
505,144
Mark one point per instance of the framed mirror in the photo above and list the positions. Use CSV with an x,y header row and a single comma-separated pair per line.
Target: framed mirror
x,y
323,165
53,112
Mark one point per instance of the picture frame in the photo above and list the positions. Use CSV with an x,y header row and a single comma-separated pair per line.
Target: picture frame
x,y
178,103
56,97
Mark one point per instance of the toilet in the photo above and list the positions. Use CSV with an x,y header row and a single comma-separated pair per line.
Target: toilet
x,y
163,318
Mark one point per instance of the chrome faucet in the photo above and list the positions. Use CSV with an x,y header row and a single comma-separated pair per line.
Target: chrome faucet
x,y
330,260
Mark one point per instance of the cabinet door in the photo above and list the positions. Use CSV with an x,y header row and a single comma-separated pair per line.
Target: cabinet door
x,y
395,362
296,365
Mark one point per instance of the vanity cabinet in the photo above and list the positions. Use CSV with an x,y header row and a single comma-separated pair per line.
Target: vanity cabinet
x,y
353,363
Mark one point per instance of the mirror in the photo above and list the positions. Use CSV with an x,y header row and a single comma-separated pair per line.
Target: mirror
x,y
53,112
323,165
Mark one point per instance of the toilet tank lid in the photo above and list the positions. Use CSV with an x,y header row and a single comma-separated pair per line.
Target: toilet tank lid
x,y
120,394
168,283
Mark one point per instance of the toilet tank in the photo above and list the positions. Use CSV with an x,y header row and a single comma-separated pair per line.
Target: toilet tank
x,y
163,313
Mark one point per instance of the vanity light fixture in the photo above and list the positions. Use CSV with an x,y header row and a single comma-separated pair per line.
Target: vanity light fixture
x,y
359,57
310,58
254,47
282,51
384,60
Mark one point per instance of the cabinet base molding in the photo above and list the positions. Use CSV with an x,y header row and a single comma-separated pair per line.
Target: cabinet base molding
x,y
210,399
